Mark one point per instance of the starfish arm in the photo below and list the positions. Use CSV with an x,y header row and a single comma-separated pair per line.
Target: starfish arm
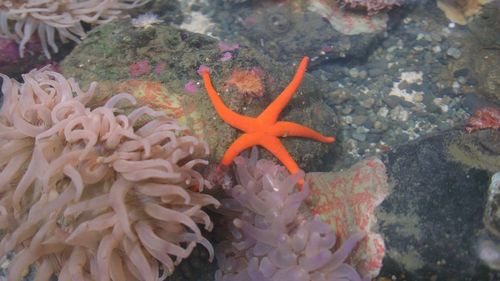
x,y
234,119
243,142
289,129
273,145
271,113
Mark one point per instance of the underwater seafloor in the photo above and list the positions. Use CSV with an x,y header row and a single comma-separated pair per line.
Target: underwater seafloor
x,y
412,98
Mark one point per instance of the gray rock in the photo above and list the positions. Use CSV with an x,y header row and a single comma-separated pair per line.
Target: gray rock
x,y
338,96
432,220
454,52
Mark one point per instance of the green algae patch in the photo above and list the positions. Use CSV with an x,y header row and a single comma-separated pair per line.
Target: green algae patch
x,y
478,150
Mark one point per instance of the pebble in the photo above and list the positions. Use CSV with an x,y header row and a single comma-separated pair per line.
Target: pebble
x,y
402,138
358,136
380,126
374,72
373,137
363,74
382,112
347,109
367,103
399,114
351,144
436,49
403,85
472,101
433,108
359,119
453,52
392,101
436,37
463,72
407,104
347,120
354,72
462,80
338,97
448,91
471,81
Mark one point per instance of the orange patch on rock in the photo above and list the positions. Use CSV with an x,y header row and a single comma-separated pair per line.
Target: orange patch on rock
x,y
153,94
247,82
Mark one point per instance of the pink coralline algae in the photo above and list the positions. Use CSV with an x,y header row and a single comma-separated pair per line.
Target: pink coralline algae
x,y
226,56
228,47
160,67
347,200
139,68
273,239
484,118
190,87
372,6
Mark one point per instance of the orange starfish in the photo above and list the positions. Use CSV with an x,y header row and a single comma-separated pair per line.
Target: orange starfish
x,y
265,129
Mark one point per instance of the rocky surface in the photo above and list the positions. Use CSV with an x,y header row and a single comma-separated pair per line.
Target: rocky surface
x,y
159,64
432,221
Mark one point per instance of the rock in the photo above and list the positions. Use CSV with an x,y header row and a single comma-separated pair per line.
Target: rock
x,y
367,103
433,216
471,102
376,71
488,76
463,72
492,212
173,56
347,201
359,136
12,65
454,52
354,72
373,137
392,101
399,114
359,119
275,28
338,96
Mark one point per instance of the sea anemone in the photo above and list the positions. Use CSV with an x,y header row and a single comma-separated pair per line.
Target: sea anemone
x,y
21,19
95,194
272,238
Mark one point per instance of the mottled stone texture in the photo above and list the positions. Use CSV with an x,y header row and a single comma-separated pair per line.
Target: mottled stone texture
x,y
432,219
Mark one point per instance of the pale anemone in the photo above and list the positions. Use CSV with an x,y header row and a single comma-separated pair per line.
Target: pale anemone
x,y
94,193
271,236
21,19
